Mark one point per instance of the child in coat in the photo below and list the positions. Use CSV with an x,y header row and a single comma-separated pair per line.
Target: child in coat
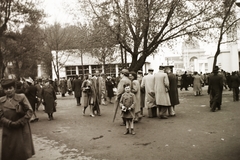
x,y
127,102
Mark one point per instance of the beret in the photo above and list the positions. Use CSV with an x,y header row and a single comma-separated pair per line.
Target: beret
x,y
7,83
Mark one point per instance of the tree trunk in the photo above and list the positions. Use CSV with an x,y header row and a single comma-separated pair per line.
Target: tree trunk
x,y
137,63
215,58
2,67
122,55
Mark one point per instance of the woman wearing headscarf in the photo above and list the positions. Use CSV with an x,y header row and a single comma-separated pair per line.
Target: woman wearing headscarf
x,y
15,113
49,99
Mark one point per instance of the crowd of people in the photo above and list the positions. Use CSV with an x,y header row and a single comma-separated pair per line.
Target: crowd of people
x,y
130,93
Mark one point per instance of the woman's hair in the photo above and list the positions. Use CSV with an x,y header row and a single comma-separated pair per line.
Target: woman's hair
x,y
134,74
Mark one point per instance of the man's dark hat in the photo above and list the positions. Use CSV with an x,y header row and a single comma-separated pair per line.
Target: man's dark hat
x,y
150,69
7,83
140,72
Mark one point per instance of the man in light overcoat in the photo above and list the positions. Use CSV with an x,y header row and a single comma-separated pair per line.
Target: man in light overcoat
x,y
161,88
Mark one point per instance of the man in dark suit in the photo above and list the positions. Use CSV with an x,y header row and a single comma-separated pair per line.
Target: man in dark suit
x,y
76,87
215,89
185,82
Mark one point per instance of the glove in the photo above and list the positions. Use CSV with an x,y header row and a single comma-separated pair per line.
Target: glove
x,y
15,125
6,122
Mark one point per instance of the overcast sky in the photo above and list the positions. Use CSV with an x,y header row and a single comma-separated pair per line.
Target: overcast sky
x,y
58,10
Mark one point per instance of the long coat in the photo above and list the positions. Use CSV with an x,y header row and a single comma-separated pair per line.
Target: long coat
x,y
49,97
120,88
87,98
128,100
63,86
76,86
173,90
215,88
136,89
197,83
31,94
148,85
161,85
17,143
142,93
110,84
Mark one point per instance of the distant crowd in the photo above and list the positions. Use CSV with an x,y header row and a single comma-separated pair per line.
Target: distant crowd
x,y
130,93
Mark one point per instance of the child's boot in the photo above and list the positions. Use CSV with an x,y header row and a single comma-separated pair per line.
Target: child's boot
x,y
132,131
127,131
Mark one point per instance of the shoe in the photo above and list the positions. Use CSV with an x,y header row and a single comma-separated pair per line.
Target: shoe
x,y
83,112
132,132
36,119
127,132
91,115
32,120
49,119
172,115
78,104
163,117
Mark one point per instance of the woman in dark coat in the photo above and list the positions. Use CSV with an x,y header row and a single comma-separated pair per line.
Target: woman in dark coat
x,y
76,87
49,99
110,84
31,94
15,112
173,92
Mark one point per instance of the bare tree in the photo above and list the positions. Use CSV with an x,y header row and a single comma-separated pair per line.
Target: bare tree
x,y
141,26
59,42
103,44
227,21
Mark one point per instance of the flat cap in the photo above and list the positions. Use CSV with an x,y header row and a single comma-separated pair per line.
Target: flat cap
x,y
7,83
124,71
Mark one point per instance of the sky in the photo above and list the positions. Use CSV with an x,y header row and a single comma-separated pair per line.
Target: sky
x,y
58,10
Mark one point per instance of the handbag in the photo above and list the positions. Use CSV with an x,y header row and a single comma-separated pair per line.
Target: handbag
x,y
20,108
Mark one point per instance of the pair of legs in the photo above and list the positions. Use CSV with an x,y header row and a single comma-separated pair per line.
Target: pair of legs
x,y
50,116
110,99
34,117
235,93
90,109
152,112
163,111
138,116
171,111
78,101
129,126
197,93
